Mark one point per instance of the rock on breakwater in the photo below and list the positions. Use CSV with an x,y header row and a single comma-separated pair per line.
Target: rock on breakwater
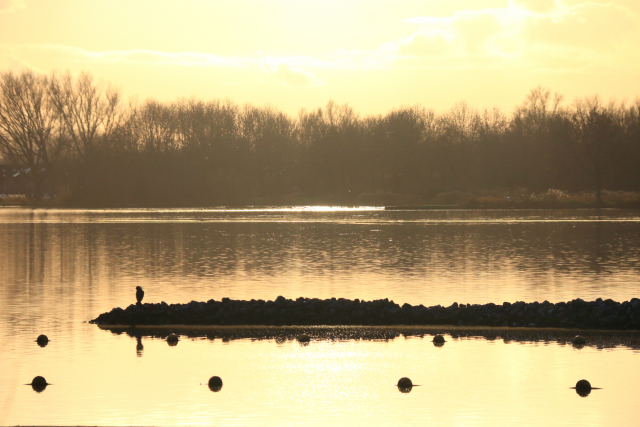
x,y
598,314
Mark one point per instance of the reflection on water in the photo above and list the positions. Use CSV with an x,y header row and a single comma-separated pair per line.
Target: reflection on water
x,y
469,381
60,268
305,334
139,346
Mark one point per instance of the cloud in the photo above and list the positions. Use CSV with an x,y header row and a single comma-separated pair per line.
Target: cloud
x,y
476,30
292,77
423,46
298,65
286,70
11,60
593,26
537,35
525,33
7,6
538,6
140,56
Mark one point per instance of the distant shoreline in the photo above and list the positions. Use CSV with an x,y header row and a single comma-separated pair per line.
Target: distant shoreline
x,y
448,200
410,207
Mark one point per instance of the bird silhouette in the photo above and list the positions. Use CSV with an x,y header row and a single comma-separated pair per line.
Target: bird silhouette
x,y
139,294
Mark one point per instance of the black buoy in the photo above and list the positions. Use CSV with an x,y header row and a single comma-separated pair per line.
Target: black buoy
x,y
438,340
405,382
38,384
579,340
139,294
582,384
583,388
42,340
215,383
405,385
303,338
172,339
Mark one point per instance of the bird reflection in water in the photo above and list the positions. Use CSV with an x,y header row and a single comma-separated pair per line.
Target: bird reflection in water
x,y
139,346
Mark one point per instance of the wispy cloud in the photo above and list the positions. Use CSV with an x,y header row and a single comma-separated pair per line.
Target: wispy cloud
x,y
293,77
142,56
287,70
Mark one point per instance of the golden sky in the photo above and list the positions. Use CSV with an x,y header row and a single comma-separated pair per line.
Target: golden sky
x,y
375,55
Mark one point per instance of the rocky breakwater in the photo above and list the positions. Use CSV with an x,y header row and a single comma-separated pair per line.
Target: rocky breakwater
x,y
599,314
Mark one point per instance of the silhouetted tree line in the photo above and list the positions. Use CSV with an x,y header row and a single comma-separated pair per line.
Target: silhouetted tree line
x,y
96,150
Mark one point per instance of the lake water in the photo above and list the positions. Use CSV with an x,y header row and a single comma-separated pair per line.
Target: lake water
x,y
61,268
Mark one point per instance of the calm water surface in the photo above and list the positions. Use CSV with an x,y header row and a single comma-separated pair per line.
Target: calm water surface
x,y
60,268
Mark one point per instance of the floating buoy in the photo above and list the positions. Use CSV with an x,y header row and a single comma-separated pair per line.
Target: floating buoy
x,y
42,340
303,338
39,381
405,382
583,388
215,383
38,384
579,340
404,385
438,340
583,384
172,339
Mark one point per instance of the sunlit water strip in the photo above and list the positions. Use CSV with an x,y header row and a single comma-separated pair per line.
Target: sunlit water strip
x,y
363,215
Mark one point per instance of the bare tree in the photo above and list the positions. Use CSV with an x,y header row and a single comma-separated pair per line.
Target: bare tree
x,y
90,112
31,131
269,134
597,132
153,128
537,110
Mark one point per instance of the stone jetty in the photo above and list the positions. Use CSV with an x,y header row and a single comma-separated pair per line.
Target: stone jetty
x,y
598,314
